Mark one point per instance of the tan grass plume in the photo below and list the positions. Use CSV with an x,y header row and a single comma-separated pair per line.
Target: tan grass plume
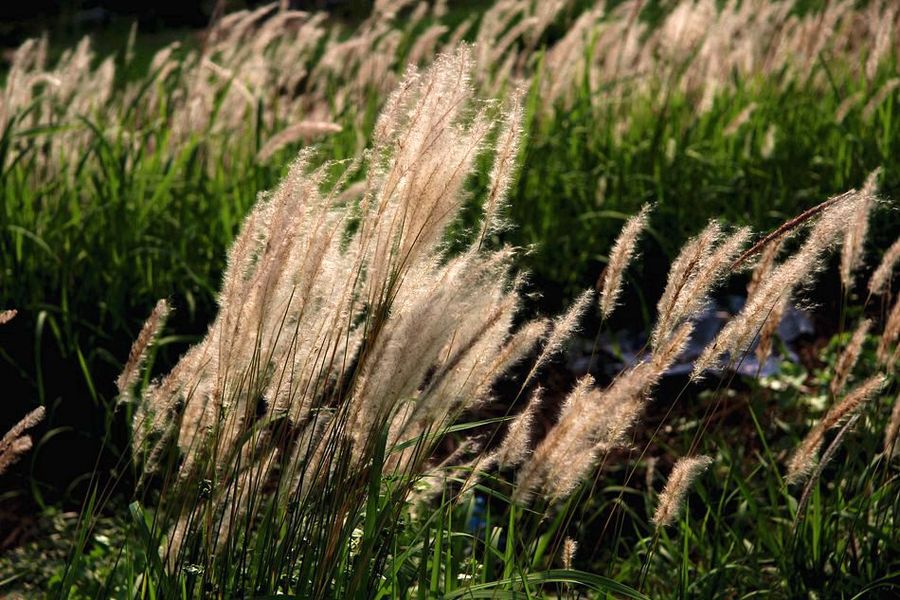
x,y
15,443
803,460
881,277
671,500
621,255
848,358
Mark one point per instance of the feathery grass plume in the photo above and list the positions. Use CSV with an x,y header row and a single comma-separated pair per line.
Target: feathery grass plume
x,y
848,358
892,431
302,131
14,443
570,547
7,315
738,334
621,255
138,354
503,171
881,277
592,422
857,229
517,443
330,338
424,46
761,272
803,460
889,336
765,265
684,269
698,268
563,328
768,330
671,500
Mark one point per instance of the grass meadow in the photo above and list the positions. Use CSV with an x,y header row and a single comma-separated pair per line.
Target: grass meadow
x,y
455,300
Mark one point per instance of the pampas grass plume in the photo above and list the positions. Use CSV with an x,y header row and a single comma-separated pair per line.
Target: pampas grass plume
x,y
515,446
878,283
892,431
889,336
14,444
152,326
623,251
857,229
847,359
671,500
803,461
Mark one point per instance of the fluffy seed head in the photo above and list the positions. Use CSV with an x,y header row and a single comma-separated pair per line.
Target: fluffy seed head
x,y
623,251
857,229
892,431
14,444
152,326
803,461
881,277
847,359
671,500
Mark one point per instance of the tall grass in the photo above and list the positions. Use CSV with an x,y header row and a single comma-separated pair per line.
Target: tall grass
x,y
292,441
325,436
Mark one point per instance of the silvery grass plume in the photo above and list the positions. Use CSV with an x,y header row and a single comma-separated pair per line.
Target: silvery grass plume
x,y
881,276
890,336
563,328
848,358
622,253
738,334
138,354
671,500
702,263
339,322
15,443
591,423
857,229
516,446
803,460
761,272
892,431
570,547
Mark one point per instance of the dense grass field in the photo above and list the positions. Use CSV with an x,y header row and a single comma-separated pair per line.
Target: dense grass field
x,y
520,299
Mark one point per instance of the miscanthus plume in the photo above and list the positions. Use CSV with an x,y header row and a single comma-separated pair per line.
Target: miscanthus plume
x,y
344,320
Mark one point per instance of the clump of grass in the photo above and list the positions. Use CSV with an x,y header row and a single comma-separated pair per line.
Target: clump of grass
x,y
287,450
